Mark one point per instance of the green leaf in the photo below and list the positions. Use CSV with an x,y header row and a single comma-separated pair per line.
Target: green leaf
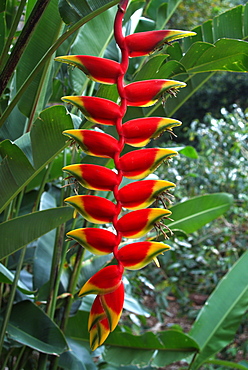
x,y
201,59
77,358
45,34
72,11
161,11
18,169
221,315
150,68
30,326
7,277
227,364
157,350
188,151
127,349
43,254
30,227
192,214
227,55
221,24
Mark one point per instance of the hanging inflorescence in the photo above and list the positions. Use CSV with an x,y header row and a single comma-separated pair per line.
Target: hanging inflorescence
x,y
135,197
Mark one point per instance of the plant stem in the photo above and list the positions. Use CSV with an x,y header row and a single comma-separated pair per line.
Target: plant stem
x,y
72,286
16,367
47,55
227,364
6,359
21,43
54,283
12,31
11,298
69,300
41,189
42,365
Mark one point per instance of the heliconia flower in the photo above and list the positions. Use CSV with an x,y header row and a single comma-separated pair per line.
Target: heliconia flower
x,y
101,70
113,305
94,143
94,209
93,177
137,223
107,283
144,43
146,93
140,163
104,281
142,194
95,240
97,110
138,132
134,256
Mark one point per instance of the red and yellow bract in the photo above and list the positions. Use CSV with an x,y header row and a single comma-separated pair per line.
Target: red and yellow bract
x,y
141,194
93,177
101,70
147,93
144,43
138,132
94,143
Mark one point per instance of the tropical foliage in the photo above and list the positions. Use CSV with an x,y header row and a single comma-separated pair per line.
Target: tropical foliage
x,y
41,272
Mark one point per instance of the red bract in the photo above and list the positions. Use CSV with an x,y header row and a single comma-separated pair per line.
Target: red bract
x,y
137,164
137,255
94,209
137,223
94,143
138,132
142,194
92,176
98,69
144,43
97,241
146,93
104,281
113,304
140,163
96,110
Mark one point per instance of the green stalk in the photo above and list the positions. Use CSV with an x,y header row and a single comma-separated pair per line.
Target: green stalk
x,y
7,213
59,255
53,288
48,54
20,263
38,104
11,298
41,189
6,359
226,364
72,286
12,32
52,298
42,365
69,300
13,210
22,42
16,367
